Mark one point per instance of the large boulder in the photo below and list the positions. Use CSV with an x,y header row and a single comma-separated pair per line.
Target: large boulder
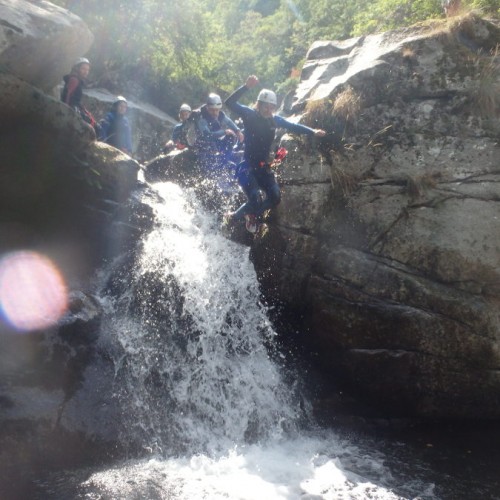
x,y
39,41
391,244
40,137
36,129
56,182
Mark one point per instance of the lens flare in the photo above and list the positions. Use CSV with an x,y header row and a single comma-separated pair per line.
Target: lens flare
x,y
33,294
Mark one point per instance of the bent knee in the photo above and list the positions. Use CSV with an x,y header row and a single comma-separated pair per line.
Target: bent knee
x,y
254,196
275,197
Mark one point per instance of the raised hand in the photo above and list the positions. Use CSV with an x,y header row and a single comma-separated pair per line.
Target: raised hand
x,y
252,81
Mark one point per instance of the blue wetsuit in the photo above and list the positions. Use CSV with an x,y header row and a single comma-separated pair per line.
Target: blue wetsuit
x,y
115,130
213,146
254,173
179,134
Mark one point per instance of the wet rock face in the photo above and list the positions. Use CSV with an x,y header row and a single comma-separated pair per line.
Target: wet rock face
x,y
74,201
39,41
56,397
40,373
392,243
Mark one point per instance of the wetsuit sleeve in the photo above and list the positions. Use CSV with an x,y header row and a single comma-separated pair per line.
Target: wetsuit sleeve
x,y
72,85
232,102
295,128
205,131
228,123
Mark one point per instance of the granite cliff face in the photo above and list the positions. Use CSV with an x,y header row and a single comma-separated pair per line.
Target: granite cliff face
x,y
391,242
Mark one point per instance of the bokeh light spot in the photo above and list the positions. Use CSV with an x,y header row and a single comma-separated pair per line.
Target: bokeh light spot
x,y
33,294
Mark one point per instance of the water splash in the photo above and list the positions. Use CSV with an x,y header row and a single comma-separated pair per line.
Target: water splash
x,y
199,388
307,467
192,340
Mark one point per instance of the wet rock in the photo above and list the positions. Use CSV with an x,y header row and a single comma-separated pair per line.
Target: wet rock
x,y
177,166
111,173
391,244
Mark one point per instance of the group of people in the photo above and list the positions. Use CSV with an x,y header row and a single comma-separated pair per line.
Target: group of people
x,y
215,133
212,135
114,128
209,133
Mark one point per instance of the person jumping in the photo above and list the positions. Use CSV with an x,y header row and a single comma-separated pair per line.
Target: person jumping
x,y
254,173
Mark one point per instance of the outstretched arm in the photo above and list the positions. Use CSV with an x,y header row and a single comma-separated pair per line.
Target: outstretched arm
x,y
298,128
231,128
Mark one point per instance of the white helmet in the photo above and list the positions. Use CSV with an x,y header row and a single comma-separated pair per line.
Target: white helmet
x,y
214,101
185,107
119,99
81,60
266,95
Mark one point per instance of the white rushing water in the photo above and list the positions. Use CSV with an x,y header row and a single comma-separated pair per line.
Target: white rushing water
x,y
200,390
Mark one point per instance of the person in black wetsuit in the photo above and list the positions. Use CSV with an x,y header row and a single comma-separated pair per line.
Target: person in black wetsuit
x,y
72,91
254,173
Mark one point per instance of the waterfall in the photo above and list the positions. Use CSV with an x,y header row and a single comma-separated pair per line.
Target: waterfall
x,y
202,397
191,340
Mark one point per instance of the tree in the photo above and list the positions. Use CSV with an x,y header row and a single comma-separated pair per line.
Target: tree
x,y
180,51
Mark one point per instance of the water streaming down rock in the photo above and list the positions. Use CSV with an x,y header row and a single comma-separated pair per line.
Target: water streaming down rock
x,y
190,338
197,381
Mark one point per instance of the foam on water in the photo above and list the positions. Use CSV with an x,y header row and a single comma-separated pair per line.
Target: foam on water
x,y
301,468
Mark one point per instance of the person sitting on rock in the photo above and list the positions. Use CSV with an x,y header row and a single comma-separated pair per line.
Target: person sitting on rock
x,y
254,173
72,92
216,135
115,127
179,134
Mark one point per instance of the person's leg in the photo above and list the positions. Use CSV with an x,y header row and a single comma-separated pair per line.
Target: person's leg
x,y
250,186
268,183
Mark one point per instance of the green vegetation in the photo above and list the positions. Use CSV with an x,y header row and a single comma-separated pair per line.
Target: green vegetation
x,y
183,49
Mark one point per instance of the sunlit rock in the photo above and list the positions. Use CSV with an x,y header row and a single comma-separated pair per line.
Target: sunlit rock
x,y
39,41
114,173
